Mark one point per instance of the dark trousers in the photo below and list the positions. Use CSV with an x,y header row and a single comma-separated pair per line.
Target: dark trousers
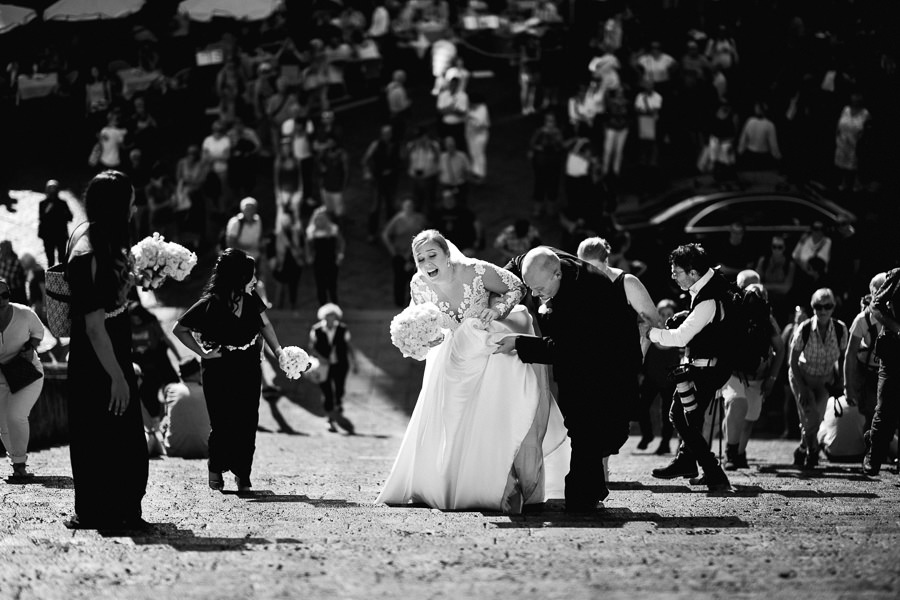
x,y
424,190
546,183
689,425
383,201
402,276
326,275
333,387
650,389
595,432
55,248
887,410
232,387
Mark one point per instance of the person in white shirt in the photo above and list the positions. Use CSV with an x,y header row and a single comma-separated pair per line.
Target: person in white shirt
x,y
758,145
453,106
702,334
647,105
814,243
478,126
185,425
244,232
111,139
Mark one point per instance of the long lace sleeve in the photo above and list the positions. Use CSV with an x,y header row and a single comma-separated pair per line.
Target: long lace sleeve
x,y
419,292
509,287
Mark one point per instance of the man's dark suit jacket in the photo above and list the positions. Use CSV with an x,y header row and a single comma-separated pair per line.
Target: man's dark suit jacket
x,y
589,339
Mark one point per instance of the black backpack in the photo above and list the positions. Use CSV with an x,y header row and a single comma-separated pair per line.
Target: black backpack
x,y
748,330
806,329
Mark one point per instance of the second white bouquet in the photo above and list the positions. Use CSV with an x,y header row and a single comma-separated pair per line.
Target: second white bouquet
x,y
293,361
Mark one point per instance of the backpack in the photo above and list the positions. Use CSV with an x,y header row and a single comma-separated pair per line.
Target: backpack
x,y
748,330
806,328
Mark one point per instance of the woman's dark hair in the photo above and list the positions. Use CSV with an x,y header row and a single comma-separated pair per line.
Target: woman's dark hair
x,y
107,204
234,269
691,257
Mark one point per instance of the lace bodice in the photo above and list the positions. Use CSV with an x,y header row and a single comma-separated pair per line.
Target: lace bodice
x,y
476,294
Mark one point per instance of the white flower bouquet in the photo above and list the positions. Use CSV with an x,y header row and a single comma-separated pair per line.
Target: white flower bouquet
x,y
155,259
294,361
415,330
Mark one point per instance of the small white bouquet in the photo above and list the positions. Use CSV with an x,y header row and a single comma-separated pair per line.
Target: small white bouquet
x,y
155,259
415,330
294,361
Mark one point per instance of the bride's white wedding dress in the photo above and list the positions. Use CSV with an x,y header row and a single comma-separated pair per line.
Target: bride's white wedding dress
x,y
478,413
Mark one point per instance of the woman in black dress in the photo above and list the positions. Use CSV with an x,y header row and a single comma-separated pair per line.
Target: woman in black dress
x,y
108,449
224,329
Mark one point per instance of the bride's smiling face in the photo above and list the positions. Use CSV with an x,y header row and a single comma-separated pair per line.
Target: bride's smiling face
x,y
432,261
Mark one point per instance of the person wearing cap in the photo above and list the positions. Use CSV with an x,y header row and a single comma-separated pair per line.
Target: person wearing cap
x,y
244,232
186,422
329,340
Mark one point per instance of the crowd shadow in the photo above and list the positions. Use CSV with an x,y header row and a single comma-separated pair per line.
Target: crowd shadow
x,y
53,482
614,518
268,496
737,490
185,540
830,472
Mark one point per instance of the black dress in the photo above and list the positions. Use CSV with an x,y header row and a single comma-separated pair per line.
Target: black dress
x,y
108,452
231,383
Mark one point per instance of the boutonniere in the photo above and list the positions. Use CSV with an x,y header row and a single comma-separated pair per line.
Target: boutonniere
x,y
545,309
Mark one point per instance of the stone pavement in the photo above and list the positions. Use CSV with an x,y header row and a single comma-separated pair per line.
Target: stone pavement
x,y
310,529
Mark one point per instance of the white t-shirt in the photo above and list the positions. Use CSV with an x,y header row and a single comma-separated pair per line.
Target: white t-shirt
x,y
217,150
111,140
656,69
23,326
250,235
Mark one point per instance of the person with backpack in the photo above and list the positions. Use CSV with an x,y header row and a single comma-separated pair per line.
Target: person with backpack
x,y
886,309
816,357
861,375
744,393
703,332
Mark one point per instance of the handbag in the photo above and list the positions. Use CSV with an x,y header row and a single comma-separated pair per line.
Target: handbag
x,y
58,298
20,372
577,165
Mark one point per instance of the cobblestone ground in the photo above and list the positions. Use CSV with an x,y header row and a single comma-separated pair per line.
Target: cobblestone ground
x,y
310,529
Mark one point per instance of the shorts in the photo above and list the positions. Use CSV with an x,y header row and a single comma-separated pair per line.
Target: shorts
x,y
752,391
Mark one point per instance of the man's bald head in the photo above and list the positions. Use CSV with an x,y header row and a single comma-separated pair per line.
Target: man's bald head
x,y
541,272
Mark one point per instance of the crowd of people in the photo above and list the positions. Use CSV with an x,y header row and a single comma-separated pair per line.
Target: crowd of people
x,y
633,109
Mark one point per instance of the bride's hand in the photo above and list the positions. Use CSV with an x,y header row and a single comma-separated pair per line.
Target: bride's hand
x,y
488,315
436,341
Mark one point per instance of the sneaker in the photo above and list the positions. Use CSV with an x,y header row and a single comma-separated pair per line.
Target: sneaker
x,y
870,466
243,485
679,467
20,472
645,442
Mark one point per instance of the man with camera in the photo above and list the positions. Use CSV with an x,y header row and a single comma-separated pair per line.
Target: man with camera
x,y
702,333
886,309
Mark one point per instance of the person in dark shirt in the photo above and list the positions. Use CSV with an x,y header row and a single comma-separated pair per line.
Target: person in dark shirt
x,y
459,223
735,255
53,219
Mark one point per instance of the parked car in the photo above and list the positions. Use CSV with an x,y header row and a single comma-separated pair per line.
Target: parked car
x,y
683,217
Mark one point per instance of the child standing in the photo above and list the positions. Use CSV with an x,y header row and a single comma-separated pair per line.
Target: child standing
x,y
329,340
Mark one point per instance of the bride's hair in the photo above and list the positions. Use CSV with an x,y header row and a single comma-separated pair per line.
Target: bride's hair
x,y
431,235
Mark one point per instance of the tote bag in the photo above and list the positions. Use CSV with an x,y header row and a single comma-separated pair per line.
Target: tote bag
x,y
59,296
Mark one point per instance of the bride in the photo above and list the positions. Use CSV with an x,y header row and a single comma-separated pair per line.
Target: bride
x,y
484,423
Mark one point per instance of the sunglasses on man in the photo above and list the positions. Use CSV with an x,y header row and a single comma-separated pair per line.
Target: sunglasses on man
x,y
823,306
